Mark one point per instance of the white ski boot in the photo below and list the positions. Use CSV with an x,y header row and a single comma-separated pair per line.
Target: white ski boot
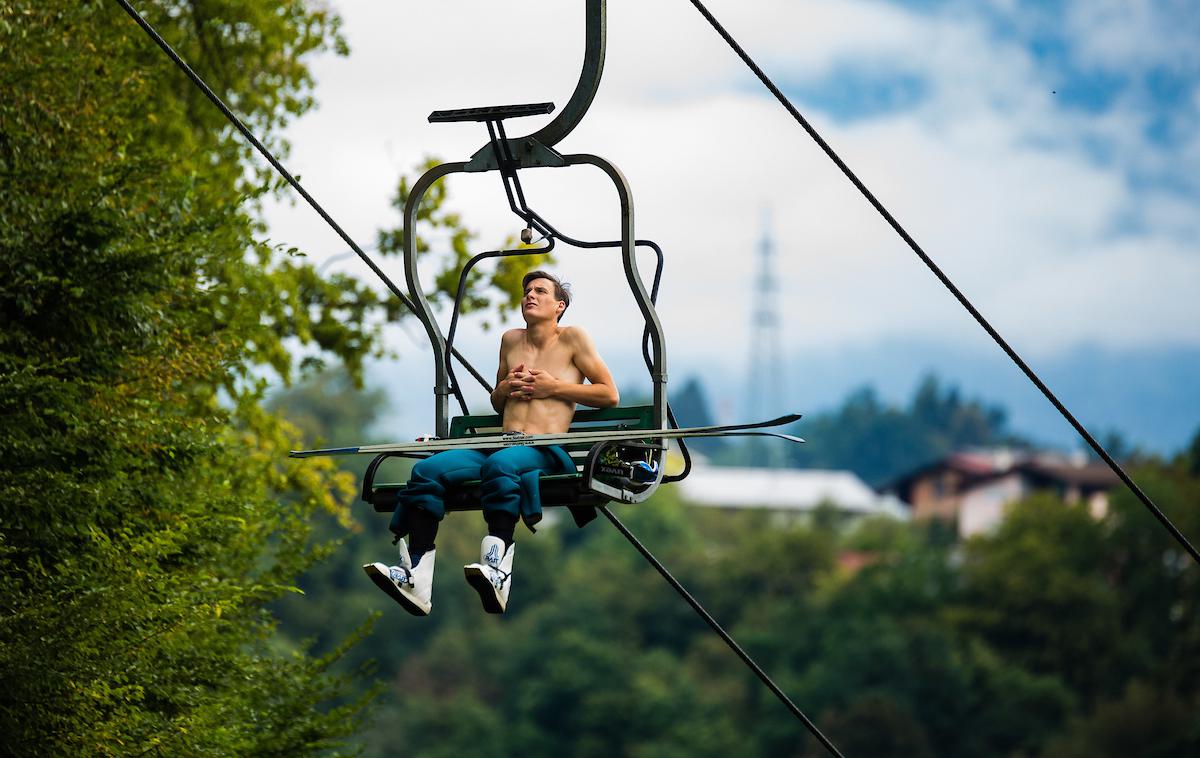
x,y
411,587
492,576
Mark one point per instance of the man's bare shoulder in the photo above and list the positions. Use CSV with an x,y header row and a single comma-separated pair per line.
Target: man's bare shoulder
x,y
511,335
577,340
574,334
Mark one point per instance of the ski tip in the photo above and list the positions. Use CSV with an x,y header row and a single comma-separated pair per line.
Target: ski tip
x,y
329,451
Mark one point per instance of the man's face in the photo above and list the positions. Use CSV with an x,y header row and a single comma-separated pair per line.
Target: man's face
x,y
539,302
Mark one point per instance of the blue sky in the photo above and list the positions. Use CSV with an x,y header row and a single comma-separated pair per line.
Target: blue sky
x,y
1044,154
1093,58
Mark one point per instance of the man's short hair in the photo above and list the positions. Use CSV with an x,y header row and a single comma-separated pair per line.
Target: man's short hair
x,y
562,290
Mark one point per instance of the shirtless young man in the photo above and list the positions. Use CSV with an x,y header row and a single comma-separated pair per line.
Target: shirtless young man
x,y
539,382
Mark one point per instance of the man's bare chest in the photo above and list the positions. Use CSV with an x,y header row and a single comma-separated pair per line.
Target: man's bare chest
x,y
556,359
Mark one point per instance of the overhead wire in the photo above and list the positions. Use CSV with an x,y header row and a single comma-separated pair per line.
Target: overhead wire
x,y
249,136
716,627
945,280
270,157
216,100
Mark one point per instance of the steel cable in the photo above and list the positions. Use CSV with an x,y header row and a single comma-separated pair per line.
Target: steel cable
x,y
241,127
716,627
249,136
945,280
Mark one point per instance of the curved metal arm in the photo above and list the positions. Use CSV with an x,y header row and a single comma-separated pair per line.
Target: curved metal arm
x,y
589,80
658,372
458,299
441,385
536,149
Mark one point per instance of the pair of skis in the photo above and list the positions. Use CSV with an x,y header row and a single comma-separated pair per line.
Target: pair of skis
x,y
497,441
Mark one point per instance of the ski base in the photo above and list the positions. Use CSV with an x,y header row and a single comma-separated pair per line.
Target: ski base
x,y
497,441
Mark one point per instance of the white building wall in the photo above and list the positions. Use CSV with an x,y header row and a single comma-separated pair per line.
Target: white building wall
x,y
785,490
983,507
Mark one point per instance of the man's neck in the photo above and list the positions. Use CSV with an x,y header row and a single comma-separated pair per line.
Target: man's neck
x,y
540,333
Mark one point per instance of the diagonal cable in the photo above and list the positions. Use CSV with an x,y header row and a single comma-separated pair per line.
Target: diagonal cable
x,y
945,280
716,627
241,127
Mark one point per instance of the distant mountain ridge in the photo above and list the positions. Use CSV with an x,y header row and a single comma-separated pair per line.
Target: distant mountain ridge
x,y
1150,396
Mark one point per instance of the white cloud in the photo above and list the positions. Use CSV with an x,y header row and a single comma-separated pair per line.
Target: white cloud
x,y
1118,35
990,175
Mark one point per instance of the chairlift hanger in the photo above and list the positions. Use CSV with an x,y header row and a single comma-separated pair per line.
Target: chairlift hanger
x,y
508,156
536,150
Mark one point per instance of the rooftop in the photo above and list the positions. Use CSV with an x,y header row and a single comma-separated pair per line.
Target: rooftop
x,y
785,489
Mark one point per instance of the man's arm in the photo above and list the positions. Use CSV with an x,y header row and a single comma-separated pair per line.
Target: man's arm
x,y
504,379
600,392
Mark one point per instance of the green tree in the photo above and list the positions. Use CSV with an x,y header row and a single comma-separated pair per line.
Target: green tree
x,y
1059,633
879,441
499,290
1190,458
1145,721
1156,581
1036,591
952,422
148,513
144,523
691,407
1098,602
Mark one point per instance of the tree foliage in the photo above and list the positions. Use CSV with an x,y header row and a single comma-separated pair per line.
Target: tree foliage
x,y
691,407
1057,634
879,441
499,290
148,513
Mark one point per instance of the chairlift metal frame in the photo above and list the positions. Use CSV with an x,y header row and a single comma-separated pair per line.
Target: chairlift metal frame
x,y
508,156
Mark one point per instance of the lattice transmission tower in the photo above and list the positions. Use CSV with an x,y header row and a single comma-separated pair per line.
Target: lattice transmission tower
x,y
766,382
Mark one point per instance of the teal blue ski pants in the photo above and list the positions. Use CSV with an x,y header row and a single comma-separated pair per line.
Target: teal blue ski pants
x,y
508,481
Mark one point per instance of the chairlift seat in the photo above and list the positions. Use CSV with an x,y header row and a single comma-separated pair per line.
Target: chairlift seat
x,y
556,489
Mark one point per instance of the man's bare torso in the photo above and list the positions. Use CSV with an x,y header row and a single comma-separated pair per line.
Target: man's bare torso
x,y
556,357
